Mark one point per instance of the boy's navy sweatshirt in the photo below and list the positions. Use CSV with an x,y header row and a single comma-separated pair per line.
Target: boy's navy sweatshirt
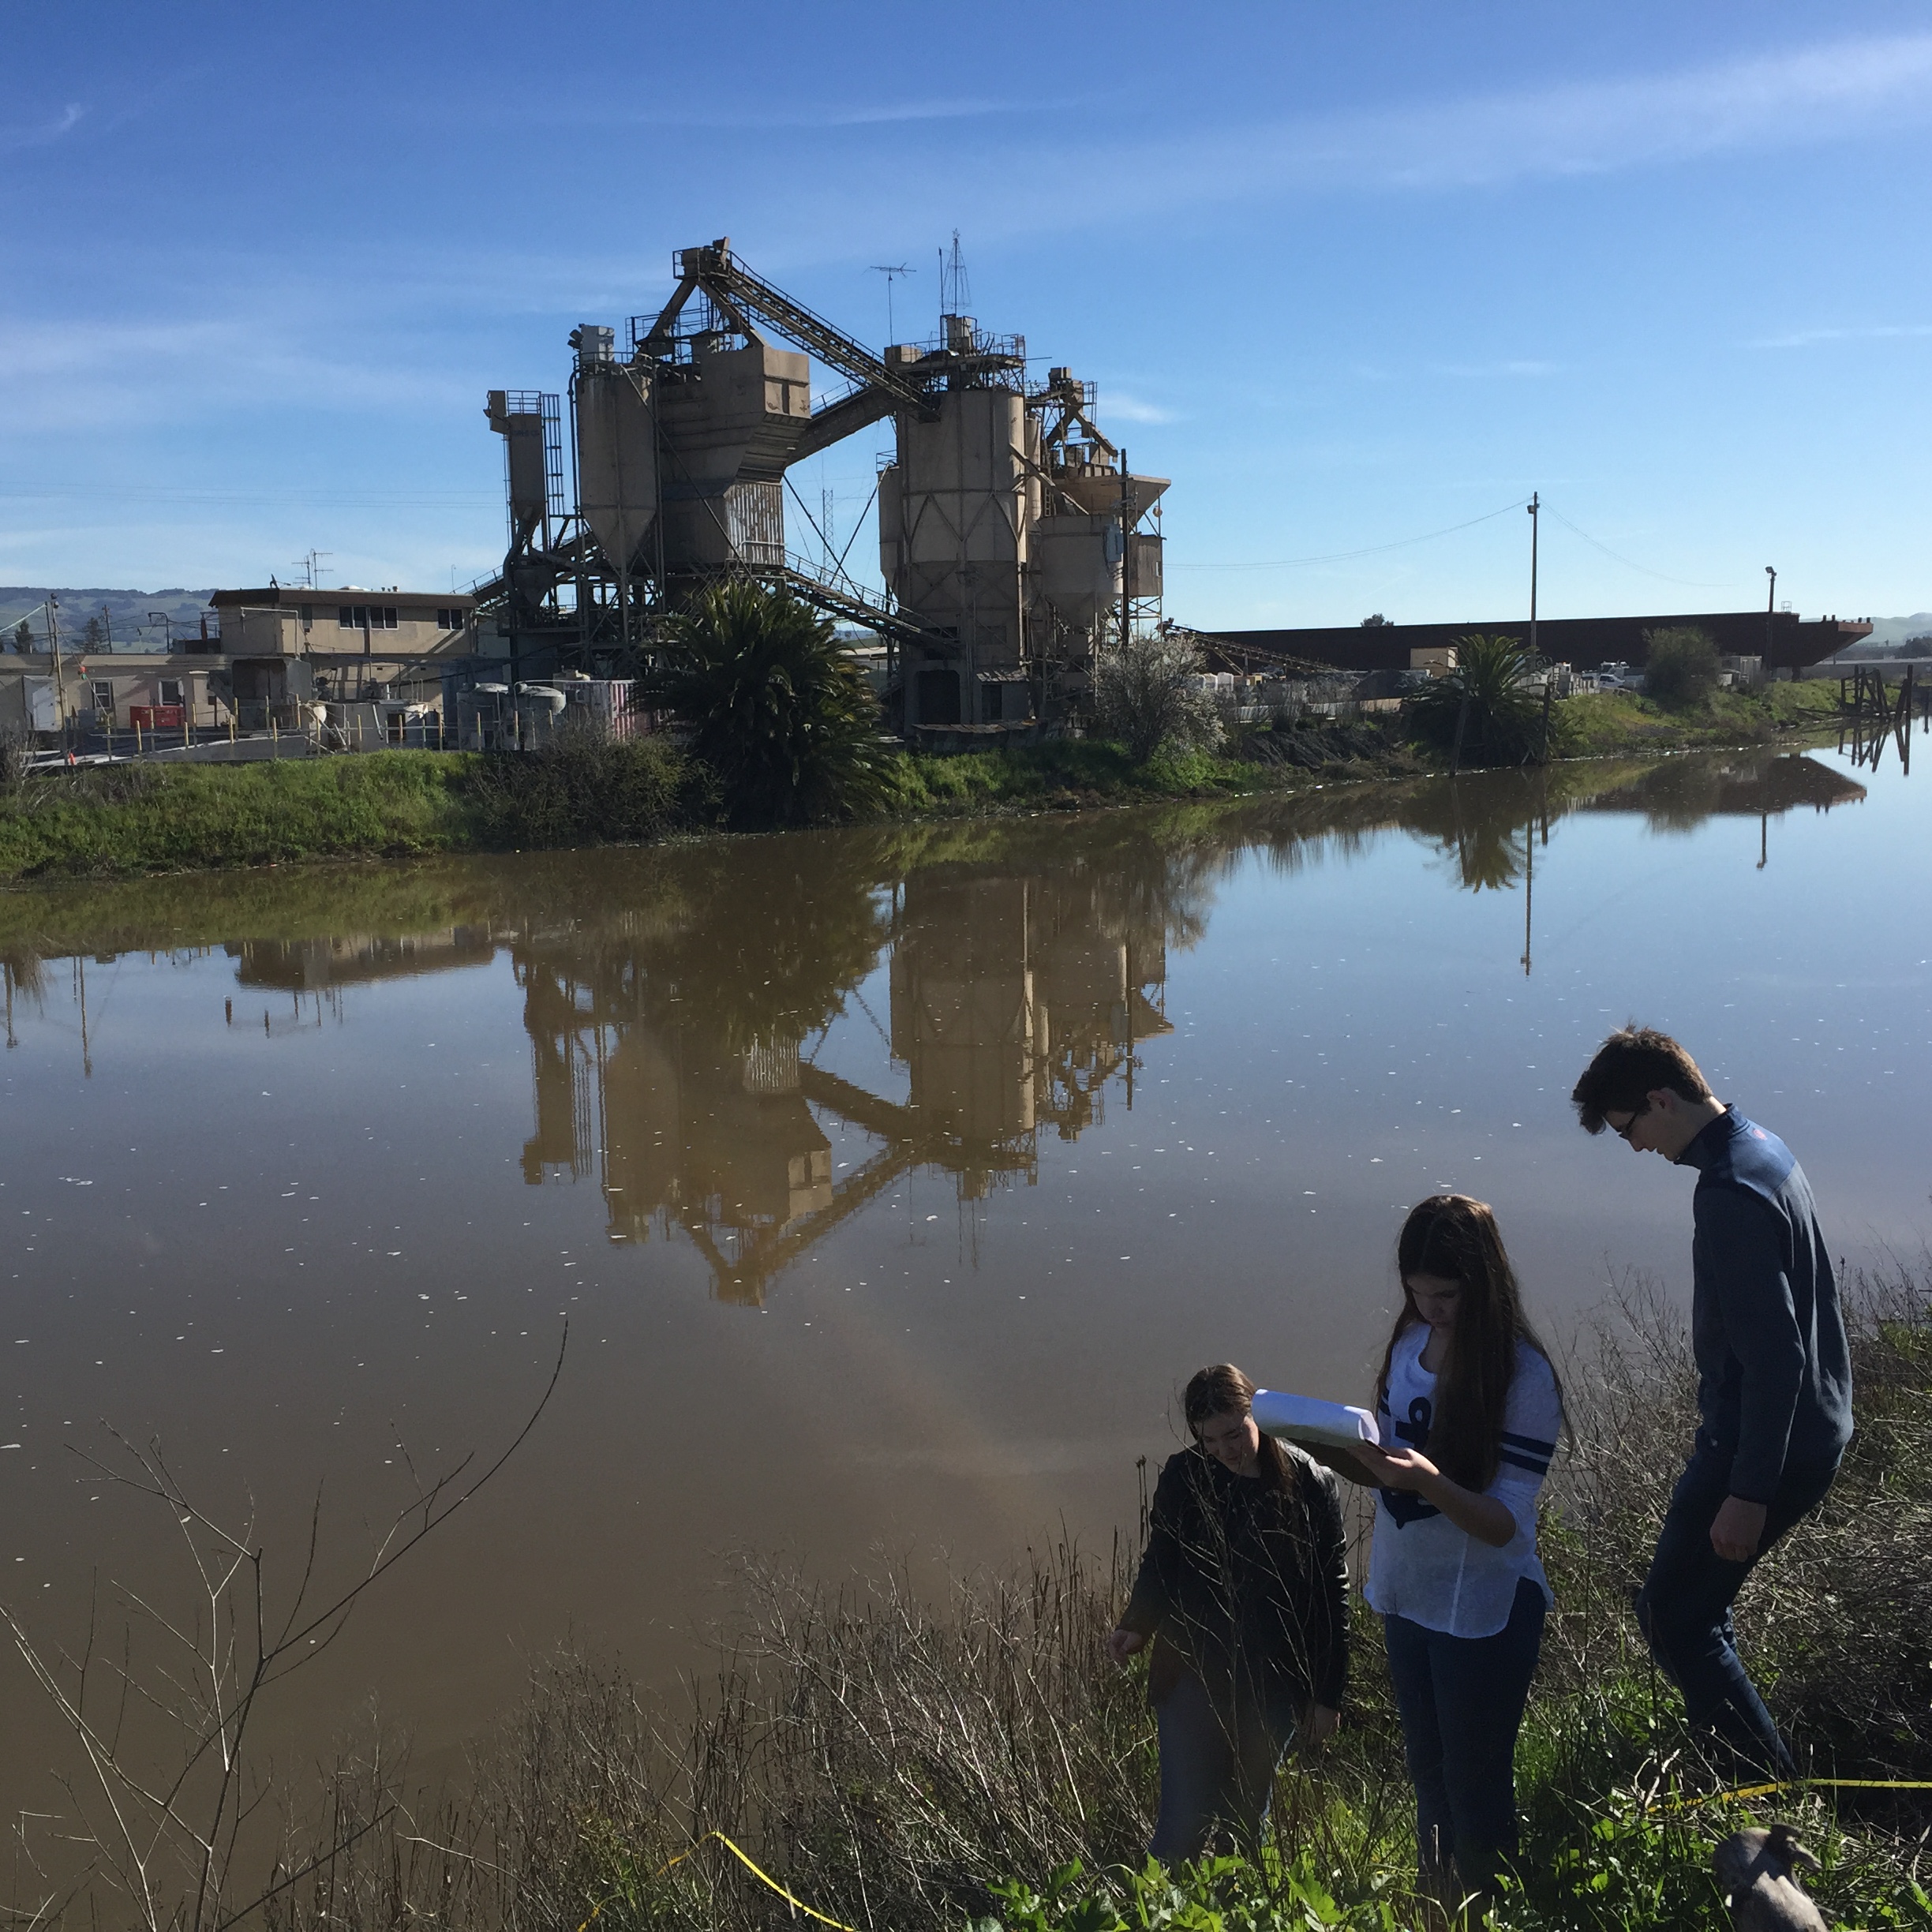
x,y
1774,1374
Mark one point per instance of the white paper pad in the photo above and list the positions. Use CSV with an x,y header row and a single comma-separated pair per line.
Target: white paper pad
x,y
1307,1418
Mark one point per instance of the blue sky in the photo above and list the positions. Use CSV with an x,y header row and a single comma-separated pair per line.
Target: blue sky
x,y
1349,274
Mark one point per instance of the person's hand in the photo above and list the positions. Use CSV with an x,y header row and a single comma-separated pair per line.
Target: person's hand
x,y
1123,1643
1737,1529
1395,1468
1319,1723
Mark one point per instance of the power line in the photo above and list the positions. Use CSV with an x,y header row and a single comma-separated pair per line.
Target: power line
x,y
1691,583
1342,557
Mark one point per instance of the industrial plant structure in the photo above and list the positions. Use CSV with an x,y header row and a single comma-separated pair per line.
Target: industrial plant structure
x,y
1013,540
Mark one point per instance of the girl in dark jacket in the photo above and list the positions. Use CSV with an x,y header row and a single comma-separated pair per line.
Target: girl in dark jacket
x,y
1243,1593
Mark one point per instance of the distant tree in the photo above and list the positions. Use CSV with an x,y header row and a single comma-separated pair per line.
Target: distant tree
x,y
1680,666
1493,698
1145,696
1376,623
95,635
22,638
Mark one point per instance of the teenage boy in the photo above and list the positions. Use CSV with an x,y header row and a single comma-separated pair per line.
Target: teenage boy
x,y
1774,1376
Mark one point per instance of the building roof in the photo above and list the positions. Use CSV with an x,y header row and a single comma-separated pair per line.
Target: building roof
x,y
290,596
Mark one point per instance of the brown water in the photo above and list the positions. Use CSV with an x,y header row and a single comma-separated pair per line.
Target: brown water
x,y
890,1183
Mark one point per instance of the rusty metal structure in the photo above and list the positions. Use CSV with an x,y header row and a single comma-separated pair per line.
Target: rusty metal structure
x,y
1012,539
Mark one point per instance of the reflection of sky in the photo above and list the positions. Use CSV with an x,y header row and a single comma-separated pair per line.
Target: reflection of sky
x,y
958,1361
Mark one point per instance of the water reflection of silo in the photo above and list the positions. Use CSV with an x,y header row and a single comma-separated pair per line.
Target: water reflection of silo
x,y
1014,998
962,1015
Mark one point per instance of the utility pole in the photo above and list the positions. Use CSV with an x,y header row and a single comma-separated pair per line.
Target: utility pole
x,y
1535,504
1770,604
1549,670
1127,524
60,690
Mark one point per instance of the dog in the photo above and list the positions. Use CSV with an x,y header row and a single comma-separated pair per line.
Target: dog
x,y
1754,1871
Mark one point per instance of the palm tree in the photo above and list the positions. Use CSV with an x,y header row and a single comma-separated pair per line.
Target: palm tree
x,y
774,706
1487,711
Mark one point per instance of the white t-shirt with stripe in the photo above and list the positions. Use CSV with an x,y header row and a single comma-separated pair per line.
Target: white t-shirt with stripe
x,y
1420,1566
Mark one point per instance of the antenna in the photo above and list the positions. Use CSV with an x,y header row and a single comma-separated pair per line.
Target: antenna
x,y
307,563
892,273
955,291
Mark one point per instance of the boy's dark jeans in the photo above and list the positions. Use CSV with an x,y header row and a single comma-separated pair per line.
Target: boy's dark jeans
x,y
1461,1702
1684,1607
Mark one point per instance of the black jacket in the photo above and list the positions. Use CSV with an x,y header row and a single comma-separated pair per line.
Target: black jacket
x,y
1245,1585
1774,1373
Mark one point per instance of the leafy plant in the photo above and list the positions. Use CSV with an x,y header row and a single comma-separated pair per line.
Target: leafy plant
x,y
1145,696
1487,710
581,789
774,707
1680,666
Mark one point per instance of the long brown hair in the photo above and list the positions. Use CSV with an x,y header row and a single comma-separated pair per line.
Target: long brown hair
x,y
1224,1390
1456,1239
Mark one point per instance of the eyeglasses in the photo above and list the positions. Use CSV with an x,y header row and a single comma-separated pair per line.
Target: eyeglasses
x,y
1624,1132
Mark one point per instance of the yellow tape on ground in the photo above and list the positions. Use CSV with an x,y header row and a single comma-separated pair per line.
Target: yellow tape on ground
x,y
763,1876
1799,1784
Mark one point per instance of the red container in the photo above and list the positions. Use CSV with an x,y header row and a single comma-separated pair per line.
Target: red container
x,y
157,717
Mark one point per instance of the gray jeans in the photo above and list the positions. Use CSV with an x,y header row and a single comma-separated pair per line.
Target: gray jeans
x,y
1215,1771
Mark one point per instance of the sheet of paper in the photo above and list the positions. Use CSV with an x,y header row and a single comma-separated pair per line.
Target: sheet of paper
x,y
1307,1418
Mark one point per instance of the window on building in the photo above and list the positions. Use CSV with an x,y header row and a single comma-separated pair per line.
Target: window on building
x,y
385,619
103,697
308,616
170,690
450,619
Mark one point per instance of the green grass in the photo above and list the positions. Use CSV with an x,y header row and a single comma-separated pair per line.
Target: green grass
x,y
164,818
1066,773
122,821
1603,723
129,820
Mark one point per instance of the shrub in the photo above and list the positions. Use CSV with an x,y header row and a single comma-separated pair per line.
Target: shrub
x,y
581,789
1489,700
1680,666
1144,696
773,706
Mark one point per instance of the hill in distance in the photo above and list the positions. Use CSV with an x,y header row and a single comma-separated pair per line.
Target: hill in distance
x,y
129,614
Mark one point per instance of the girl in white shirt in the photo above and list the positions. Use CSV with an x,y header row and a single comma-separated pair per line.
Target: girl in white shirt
x,y
1470,1411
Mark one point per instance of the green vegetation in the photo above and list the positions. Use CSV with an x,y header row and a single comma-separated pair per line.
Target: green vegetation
x,y
159,818
896,1763
1680,666
1485,711
1145,698
1606,723
132,818
123,821
777,710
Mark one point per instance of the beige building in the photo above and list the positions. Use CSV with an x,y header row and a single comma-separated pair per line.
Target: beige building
x,y
264,652
107,690
291,621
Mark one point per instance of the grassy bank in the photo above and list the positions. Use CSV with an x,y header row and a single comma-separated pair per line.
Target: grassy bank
x,y
1608,723
124,821
896,1763
129,819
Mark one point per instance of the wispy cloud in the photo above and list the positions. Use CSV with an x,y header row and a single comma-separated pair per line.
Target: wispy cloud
x,y
76,374
1870,331
41,134
1118,406
760,118
1576,128
1842,90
